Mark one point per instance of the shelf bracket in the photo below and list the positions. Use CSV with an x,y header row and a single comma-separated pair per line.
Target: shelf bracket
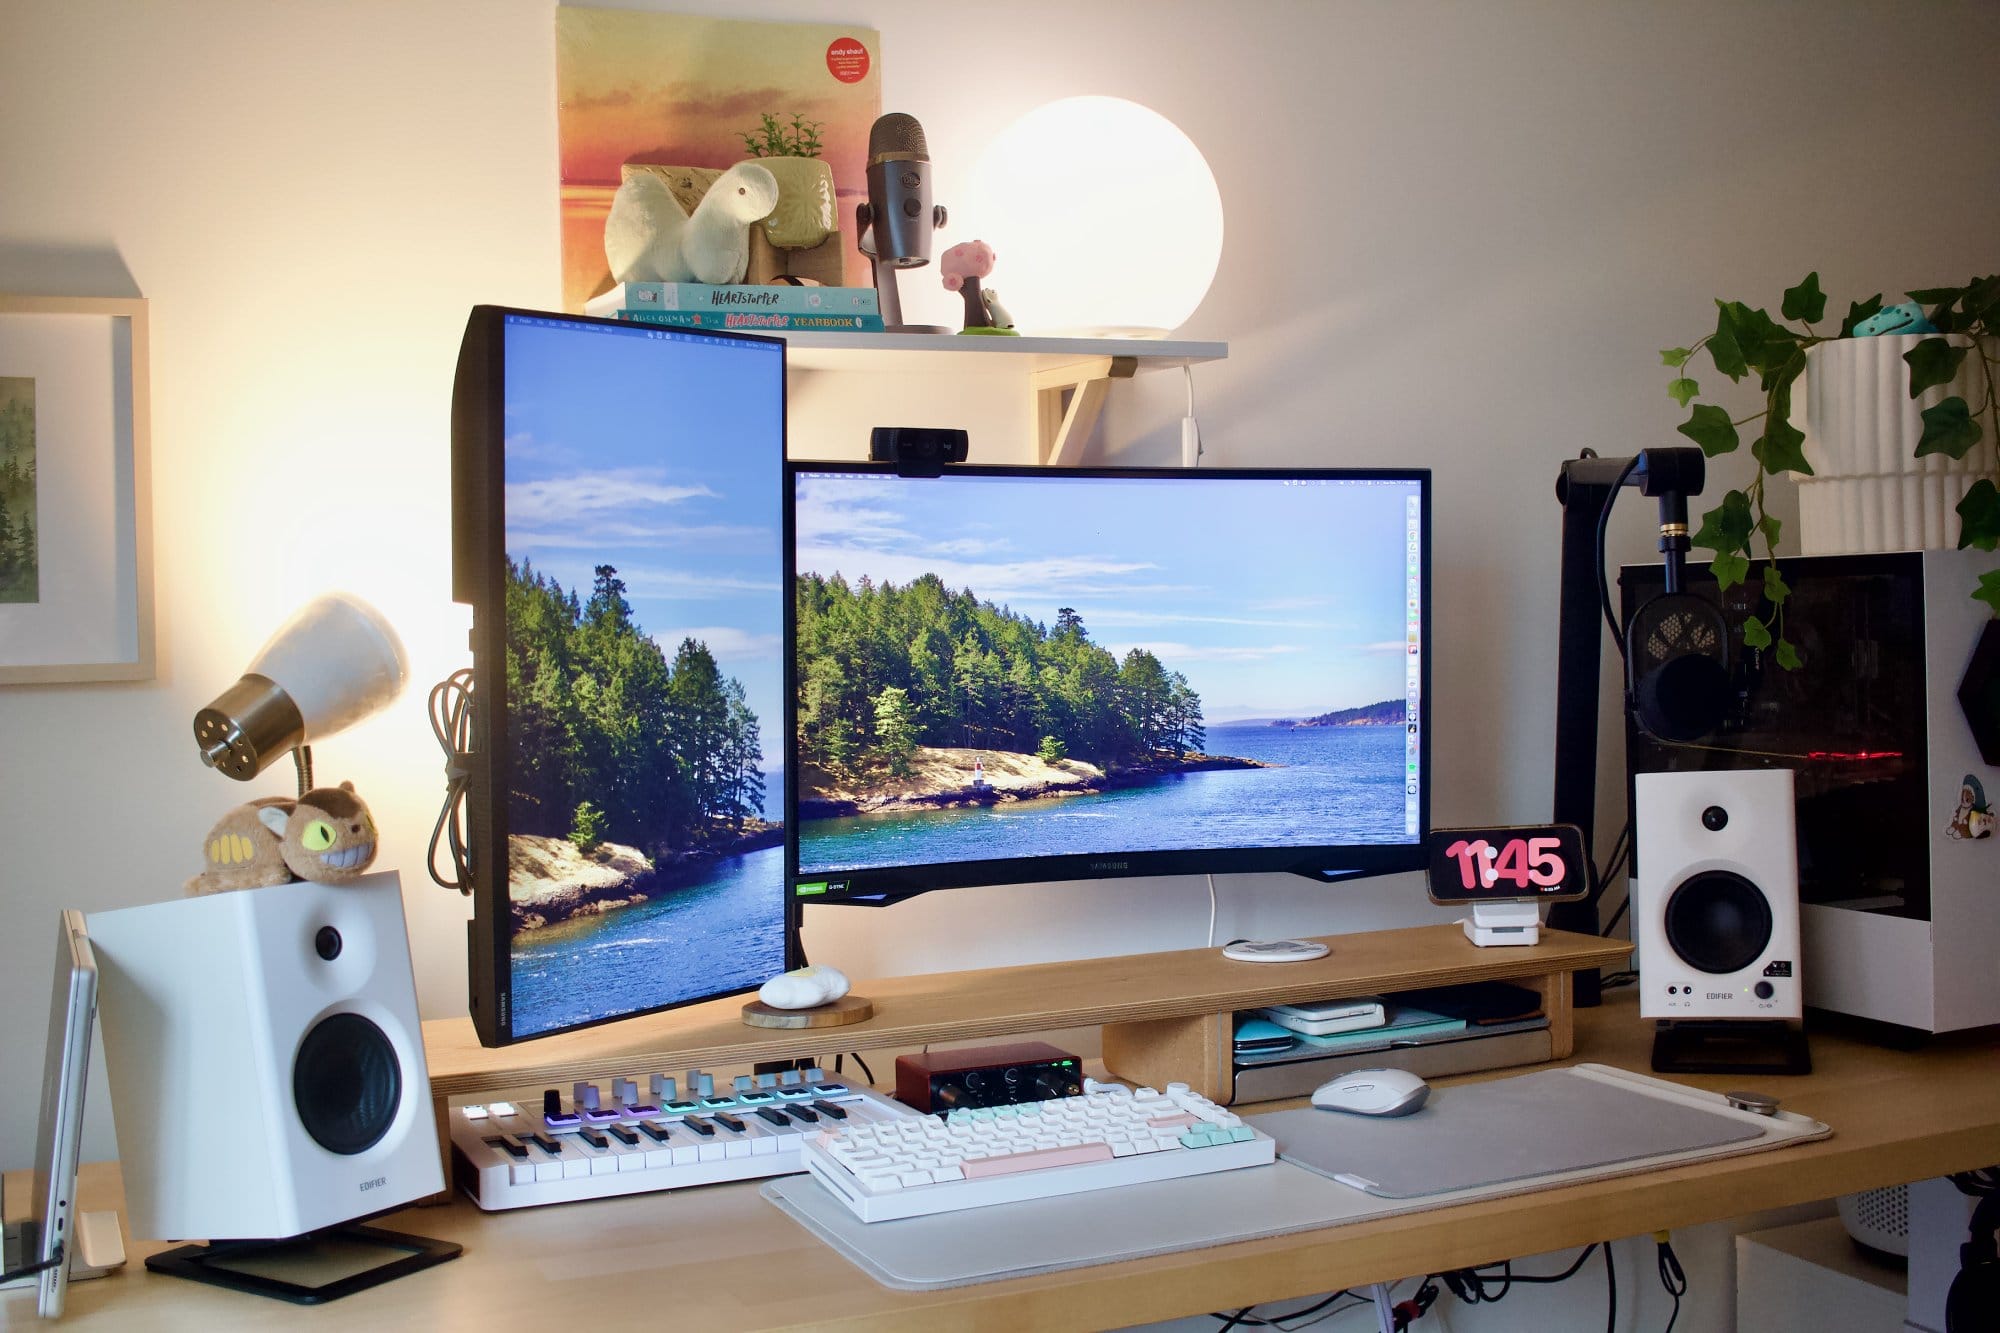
x,y
1067,401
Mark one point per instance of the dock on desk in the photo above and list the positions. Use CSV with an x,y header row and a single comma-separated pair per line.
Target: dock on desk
x,y
724,1257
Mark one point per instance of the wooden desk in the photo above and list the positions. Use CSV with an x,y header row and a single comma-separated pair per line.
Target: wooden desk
x,y
723,1258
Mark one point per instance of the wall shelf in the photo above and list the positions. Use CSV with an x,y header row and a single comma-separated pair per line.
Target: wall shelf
x,y
1069,377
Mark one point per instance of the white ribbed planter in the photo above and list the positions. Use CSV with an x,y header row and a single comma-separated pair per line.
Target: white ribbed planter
x,y
1869,491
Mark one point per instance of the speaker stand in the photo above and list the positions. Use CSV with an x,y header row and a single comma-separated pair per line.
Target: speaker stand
x,y
1730,1046
312,1269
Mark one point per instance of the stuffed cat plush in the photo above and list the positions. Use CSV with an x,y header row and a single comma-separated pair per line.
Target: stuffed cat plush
x,y
326,835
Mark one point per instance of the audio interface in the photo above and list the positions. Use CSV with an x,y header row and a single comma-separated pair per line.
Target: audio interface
x,y
1027,1071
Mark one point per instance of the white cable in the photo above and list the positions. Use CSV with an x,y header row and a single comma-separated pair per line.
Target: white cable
x,y
1211,911
1190,429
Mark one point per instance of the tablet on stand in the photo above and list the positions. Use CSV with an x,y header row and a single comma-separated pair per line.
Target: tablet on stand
x,y
56,1243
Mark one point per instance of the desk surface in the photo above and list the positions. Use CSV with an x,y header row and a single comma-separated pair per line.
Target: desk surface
x,y
721,1257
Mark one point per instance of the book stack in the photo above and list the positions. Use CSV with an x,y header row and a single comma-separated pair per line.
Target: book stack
x,y
743,307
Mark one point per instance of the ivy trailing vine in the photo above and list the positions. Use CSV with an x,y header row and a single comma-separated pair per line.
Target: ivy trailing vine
x,y
1747,342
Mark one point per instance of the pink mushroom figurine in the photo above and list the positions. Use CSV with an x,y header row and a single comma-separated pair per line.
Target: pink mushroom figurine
x,y
962,267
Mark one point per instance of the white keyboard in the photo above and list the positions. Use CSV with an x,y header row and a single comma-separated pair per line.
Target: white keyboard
x,y
1108,1137
513,1156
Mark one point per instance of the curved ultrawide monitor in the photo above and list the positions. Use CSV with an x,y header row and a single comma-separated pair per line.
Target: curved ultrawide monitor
x,y
1006,675
617,509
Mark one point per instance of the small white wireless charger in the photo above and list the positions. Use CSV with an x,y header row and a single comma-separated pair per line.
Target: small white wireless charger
x,y
1274,951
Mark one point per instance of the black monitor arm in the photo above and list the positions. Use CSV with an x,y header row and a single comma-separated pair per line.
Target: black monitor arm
x,y
1586,487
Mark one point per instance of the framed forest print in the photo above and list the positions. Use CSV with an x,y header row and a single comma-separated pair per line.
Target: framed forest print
x,y
76,590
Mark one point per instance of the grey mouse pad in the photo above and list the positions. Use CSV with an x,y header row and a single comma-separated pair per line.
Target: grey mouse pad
x,y
1539,1124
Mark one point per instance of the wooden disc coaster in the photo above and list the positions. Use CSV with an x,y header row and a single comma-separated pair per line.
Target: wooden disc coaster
x,y
835,1013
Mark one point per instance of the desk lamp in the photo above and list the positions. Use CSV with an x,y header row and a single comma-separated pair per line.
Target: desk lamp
x,y
335,662
1105,216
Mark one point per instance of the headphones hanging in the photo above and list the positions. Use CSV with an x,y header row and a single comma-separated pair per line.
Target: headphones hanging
x,y
1973,1303
1677,646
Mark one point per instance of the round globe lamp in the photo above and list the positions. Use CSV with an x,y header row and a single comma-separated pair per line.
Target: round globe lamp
x,y
1104,218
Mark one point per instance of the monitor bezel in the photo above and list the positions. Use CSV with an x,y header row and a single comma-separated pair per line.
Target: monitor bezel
x,y
479,554
1326,863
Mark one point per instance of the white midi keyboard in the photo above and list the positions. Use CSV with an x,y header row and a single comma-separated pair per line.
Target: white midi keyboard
x,y
512,1156
1108,1137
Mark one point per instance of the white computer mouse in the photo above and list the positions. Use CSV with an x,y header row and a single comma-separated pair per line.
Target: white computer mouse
x,y
1373,1092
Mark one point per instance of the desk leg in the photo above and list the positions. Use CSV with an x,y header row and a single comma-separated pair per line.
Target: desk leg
x,y
1385,1309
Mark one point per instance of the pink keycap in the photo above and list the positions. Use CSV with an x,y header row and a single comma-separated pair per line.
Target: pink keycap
x,y
977,1168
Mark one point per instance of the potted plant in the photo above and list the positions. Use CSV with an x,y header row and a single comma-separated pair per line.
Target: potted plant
x,y
1898,392
807,210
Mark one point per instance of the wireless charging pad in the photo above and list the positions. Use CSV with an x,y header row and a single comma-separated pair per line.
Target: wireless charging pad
x,y
1273,951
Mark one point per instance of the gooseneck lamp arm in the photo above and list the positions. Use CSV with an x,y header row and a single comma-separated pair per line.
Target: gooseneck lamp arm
x,y
1586,487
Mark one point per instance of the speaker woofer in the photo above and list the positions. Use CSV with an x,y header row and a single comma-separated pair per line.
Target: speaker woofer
x,y
346,1084
1718,921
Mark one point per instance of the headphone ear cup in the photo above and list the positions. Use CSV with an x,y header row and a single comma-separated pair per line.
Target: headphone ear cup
x,y
1677,667
1973,1303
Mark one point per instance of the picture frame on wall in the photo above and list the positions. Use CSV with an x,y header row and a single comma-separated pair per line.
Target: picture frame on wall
x,y
76,563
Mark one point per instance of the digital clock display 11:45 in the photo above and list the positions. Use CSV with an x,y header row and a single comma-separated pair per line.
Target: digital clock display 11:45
x,y
1542,861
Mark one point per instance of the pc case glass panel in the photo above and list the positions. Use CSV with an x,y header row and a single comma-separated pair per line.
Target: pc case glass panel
x,y
1850,723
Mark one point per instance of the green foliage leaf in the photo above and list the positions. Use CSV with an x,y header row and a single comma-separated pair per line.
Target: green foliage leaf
x,y
1764,343
1710,428
1682,390
1805,302
1979,306
1933,362
1979,516
1989,590
1724,350
1936,295
1781,448
1788,656
1770,527
1756,634
1675,356
1948,429
1775,588
1858,311
1727,528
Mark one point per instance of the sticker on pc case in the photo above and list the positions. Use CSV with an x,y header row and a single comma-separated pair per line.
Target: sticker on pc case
x,y
1974,817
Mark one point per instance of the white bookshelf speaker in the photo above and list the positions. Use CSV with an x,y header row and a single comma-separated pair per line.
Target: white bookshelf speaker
x,y
1715,902
265,1060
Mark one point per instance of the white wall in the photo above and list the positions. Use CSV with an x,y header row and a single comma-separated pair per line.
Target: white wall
x,y
1457,234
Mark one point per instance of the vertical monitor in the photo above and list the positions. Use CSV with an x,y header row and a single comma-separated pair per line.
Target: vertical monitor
x,y
618,528
1021,674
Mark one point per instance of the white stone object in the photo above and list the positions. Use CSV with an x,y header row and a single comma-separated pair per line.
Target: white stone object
x,y
1869,491
805,988
647,238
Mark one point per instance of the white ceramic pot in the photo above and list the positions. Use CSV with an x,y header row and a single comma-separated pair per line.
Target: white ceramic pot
x,y
1869,491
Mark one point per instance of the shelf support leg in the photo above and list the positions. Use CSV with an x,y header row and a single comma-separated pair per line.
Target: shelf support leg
x,y
1063,425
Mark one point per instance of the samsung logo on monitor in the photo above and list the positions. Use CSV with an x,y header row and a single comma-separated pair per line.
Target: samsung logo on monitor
x,y
1110,865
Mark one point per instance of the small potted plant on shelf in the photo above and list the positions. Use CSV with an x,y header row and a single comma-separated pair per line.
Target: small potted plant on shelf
x,y
1881,422
807,209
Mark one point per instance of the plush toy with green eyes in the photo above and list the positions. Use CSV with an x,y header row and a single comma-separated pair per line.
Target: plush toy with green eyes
x,y
326,836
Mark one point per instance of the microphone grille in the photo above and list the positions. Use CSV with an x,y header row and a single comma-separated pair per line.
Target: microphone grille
x,y
897,135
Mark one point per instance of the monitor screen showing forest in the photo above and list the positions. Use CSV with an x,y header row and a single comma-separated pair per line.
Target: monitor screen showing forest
x,y
1014,674
632,620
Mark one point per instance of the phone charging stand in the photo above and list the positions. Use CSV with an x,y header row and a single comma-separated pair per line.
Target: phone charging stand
x,y
1515,921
